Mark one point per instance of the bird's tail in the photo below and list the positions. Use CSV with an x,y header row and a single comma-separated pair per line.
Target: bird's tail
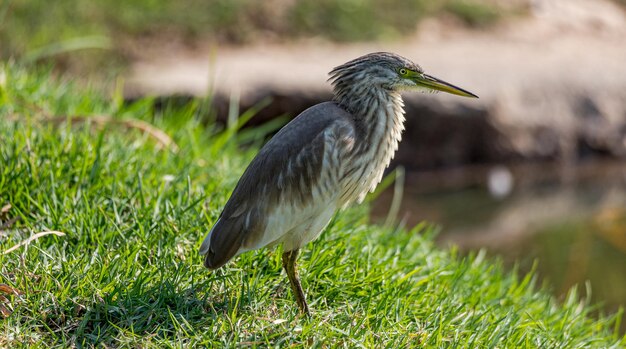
x,y
206,244
222,243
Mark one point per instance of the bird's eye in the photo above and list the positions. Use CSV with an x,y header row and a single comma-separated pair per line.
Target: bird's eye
x,y
403,71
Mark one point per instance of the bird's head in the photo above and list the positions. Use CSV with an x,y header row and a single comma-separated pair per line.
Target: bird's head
x,y
387,71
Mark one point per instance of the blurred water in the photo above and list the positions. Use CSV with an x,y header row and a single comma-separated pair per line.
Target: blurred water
x,y
571,220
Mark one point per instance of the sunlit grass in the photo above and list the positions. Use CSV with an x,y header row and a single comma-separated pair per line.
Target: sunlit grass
x,y
127,272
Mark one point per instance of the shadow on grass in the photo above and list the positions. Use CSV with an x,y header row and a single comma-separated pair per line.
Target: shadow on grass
x,y
162,310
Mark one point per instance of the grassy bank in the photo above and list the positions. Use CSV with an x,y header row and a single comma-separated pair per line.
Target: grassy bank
x,y
234,21
103,35
132,205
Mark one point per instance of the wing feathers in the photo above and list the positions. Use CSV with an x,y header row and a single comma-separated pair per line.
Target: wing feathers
x,y
285,172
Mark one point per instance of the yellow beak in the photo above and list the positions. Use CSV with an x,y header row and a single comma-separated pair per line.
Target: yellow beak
x,y
440,85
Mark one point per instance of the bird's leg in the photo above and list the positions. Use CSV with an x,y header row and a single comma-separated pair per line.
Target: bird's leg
x,y
289,263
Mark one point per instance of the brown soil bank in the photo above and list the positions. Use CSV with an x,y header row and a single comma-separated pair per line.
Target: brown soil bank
x,y
552,85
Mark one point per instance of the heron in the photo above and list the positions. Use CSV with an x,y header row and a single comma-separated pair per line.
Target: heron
x,y
327,158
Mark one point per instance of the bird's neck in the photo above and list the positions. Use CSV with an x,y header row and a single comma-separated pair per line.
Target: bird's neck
x,y
378,116
379,122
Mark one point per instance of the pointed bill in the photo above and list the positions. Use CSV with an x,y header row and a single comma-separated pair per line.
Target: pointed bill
x,y
433,83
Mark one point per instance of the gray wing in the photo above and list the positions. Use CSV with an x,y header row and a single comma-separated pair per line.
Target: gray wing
x,y
285,169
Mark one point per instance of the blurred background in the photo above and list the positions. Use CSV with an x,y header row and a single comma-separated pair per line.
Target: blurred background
x,y
535,170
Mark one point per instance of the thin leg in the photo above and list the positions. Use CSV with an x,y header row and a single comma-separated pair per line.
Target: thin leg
x,y
289,263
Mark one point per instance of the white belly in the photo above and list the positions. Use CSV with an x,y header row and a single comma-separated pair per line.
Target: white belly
x,y
294,226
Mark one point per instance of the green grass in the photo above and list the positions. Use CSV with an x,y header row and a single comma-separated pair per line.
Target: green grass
x,y
472,13
127,272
